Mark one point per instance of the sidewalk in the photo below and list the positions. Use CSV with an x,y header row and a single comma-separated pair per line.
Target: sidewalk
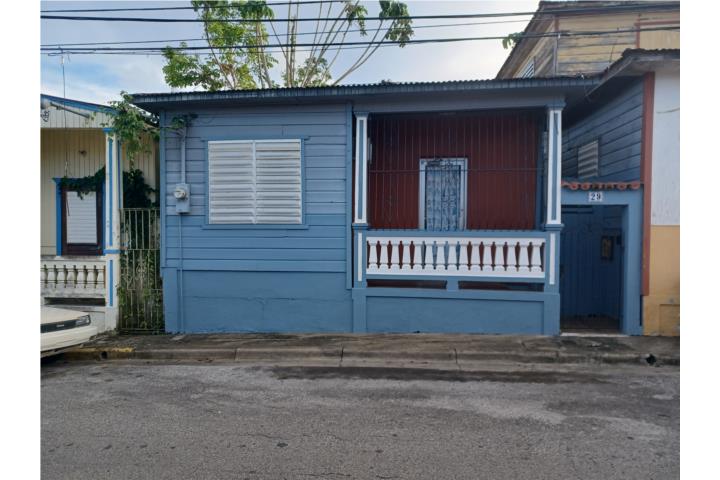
x,y
453,351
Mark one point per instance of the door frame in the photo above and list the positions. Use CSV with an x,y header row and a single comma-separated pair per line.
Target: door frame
x,y
632,216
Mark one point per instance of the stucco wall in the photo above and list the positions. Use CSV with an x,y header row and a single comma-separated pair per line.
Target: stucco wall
x,y
662,304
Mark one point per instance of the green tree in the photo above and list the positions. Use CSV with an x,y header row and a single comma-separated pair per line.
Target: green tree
x,y
237,43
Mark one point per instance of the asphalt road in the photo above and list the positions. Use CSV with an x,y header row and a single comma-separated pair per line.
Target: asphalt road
x,y
140,421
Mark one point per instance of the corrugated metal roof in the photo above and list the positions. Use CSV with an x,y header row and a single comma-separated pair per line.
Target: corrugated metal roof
x,y
150,100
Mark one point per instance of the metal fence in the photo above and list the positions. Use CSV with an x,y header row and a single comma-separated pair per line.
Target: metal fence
x,y
140,290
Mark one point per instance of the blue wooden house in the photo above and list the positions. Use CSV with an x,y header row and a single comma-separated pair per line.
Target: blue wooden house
x,y
414,207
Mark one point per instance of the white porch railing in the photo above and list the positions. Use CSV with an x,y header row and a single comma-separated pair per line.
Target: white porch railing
x,y
492,257
67,278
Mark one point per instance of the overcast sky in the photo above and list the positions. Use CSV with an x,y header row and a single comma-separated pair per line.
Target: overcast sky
x,y
99,78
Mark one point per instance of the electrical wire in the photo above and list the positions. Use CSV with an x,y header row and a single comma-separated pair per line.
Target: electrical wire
x,y
365,43
147,9
415,27
585,11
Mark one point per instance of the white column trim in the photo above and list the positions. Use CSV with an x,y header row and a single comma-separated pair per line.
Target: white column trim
x,y
361,156
554,163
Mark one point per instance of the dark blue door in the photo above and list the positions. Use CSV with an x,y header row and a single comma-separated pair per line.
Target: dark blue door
x,y
591,268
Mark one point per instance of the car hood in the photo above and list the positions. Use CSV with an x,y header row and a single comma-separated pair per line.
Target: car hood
x,y
54,315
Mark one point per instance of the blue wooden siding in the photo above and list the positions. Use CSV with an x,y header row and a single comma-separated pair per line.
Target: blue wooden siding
x,y
617,125
319,247
251,277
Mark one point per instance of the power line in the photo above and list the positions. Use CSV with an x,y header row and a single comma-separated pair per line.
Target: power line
x,y
415,27
149,9
390,42
593,10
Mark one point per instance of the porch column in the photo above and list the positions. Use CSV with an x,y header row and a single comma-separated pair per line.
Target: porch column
x,y
554,166
360,224
553,221
112,199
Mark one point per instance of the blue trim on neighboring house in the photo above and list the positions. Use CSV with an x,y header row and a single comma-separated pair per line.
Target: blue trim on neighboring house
x,y
348,195
107,130
119,175
109,240
255,226
162,189
632,256
58,217
110,284
112,250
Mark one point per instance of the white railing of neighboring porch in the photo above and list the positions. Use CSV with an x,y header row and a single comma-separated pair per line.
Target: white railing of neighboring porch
x,y
69,278
506,257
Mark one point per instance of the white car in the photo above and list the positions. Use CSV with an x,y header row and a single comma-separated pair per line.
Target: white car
x,y
61,328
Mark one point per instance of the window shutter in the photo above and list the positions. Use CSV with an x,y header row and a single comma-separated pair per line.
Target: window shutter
x,y
278,181
588,160
255,182
81,218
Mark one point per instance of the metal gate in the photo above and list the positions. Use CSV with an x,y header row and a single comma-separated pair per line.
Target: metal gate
x,y
140,289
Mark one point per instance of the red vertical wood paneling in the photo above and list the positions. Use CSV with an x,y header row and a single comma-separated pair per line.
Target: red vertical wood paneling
x,y
501,148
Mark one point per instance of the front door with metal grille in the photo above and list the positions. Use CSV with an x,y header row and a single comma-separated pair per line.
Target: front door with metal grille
x,y
140,289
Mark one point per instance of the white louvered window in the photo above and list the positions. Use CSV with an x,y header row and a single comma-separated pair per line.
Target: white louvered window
x,y
255,181
588,160
81,218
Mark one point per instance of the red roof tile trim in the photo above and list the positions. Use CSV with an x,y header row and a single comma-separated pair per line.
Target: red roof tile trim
x,y
602,185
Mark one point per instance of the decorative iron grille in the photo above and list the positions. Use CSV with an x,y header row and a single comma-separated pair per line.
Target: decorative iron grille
x,y
140,289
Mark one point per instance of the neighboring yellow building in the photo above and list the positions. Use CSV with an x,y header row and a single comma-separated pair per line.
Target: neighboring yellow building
x,y
570,55
558,55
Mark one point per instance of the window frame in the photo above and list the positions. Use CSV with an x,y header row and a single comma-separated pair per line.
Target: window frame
x,y
463,163
254,226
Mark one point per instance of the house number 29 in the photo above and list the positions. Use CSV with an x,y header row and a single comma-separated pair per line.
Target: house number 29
x,y
595,197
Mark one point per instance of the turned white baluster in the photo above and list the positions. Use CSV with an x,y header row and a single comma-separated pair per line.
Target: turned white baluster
x,y
511,258
64,276
535,265
43,275
475,248
101,277
463,256
52,276
81,276
383,255
372,258
417,255
487,257
429,256
94,277
524,260
440,260
395,256
452,257
406,255
499,257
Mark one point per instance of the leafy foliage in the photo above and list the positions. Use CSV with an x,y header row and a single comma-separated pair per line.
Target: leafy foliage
x,y
136,193
511,40
238,57
135,128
